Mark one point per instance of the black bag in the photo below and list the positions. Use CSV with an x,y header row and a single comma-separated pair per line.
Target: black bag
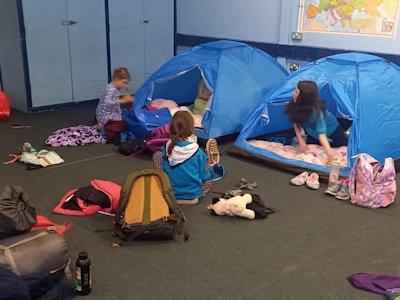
x,y
130,146
148,144
16,214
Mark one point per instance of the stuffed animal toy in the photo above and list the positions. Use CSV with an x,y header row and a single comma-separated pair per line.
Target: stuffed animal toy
x,y
235,206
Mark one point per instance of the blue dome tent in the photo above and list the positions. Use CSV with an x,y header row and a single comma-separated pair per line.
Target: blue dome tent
x,y
359,87
236,74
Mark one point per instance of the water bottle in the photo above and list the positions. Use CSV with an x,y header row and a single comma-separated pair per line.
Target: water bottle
x,y
83,279
334,173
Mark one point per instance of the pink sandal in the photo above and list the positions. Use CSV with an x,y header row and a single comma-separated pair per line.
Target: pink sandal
x,y
313,181
300,179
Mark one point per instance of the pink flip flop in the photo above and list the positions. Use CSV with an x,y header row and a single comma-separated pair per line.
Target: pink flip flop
x,y
313,181
300,179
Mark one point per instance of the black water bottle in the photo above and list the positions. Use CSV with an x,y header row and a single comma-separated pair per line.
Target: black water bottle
x,y
83,279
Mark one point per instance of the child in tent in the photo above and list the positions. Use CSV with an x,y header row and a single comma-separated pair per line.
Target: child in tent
x,y
108,112
184,162
307,112
203,94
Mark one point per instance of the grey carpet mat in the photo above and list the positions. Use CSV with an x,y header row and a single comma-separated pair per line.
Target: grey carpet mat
x,y
305,250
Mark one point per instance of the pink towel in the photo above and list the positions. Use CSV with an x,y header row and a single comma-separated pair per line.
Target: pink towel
x,y
160,103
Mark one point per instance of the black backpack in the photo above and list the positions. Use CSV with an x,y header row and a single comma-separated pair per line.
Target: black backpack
x,y
149,144
16,214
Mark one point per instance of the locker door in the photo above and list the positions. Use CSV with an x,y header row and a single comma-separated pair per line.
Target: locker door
x,y
88,48
47,52
159,34
126,38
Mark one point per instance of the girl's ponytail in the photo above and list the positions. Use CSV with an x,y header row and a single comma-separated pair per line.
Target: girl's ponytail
x,y
181,127
172,144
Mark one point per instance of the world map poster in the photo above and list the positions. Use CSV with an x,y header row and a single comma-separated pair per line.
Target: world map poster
x,y
367,17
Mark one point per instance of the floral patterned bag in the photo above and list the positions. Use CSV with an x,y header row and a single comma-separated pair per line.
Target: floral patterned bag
x,y
370,184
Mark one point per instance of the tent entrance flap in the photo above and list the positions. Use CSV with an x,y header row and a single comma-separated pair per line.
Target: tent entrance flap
x,y
326,96
181,88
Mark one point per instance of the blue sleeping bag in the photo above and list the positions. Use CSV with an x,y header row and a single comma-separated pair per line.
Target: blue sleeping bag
x,y
141,122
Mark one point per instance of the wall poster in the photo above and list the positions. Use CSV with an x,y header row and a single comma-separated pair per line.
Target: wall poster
x,y
364,17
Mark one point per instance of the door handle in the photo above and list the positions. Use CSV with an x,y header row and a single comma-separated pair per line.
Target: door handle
x,y
145,21
67,22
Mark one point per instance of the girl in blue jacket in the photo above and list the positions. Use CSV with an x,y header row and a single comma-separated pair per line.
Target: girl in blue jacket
x,y
307,112
184,162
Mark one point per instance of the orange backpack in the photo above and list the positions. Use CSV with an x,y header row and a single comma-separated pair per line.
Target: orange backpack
x,y
147,208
